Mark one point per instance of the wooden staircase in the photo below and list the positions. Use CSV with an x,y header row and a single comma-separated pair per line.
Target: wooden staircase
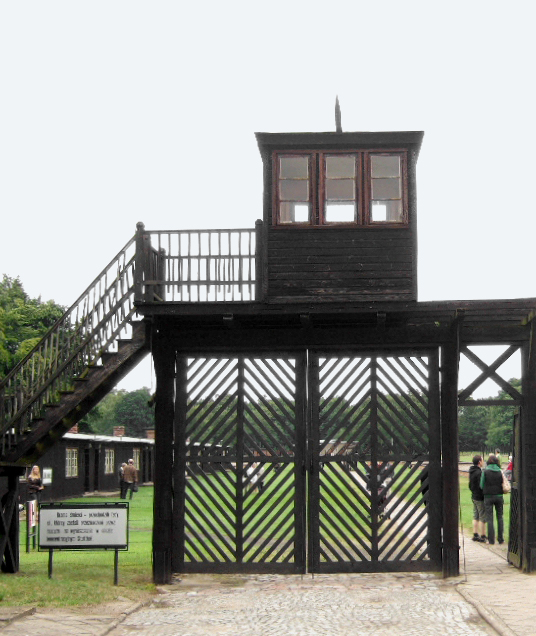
x,y
57,418
90,348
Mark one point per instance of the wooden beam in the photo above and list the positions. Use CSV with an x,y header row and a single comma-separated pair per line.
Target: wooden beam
x,y
489,371
449,443
179,465
164,364
9,523
527,459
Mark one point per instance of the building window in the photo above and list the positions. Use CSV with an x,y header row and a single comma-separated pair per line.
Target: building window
x,y
136,458
71,462
327,188
109,461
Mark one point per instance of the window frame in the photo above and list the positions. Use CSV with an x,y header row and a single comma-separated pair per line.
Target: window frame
x,y
109,461
71,462
136,455
317,187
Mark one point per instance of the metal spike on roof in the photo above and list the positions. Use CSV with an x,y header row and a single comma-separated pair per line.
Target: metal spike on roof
x,y
338,124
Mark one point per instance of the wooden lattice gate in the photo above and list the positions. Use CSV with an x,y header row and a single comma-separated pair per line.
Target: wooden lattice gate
x,y
278,455
243,458
375,478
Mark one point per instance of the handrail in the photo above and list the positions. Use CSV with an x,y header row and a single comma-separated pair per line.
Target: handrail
x,y
153,267
197,265
89,328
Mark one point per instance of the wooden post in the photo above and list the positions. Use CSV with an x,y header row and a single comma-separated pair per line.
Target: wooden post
x,y
527,459
140,263
259,261
164,362
449,444
179,467
435,503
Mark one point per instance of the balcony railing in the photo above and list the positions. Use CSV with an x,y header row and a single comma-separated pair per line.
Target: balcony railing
x,y
196,265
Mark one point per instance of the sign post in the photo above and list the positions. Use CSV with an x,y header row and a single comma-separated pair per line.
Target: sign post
x,y
31,523
64,526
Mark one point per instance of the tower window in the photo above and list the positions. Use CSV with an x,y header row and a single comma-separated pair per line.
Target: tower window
x,y
328,188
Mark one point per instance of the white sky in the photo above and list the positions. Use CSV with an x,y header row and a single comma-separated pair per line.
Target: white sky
x,y
118,111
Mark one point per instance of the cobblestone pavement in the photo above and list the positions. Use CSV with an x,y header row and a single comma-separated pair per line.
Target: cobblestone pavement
x,y
326,604
490,597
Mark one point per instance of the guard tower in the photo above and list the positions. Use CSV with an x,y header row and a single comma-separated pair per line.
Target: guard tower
x,y
306,402
340,217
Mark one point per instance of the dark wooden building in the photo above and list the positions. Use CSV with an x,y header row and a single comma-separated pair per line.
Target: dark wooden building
x,y
80,464
297,356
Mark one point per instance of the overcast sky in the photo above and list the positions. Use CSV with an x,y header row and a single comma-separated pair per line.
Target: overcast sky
x,y
119,111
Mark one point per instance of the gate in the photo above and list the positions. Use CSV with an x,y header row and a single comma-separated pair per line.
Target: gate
x,y
244,496
375,490
331,462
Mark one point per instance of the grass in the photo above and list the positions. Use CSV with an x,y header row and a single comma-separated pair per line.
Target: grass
x,y
86,578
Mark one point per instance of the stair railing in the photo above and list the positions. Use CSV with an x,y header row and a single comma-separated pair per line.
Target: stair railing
x,y
77,341
198,266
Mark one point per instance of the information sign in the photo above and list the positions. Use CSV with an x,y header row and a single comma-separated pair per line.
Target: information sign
x,y
83,526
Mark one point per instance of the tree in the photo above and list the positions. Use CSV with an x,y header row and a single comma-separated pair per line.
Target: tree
x,y
473,425
101,419
23,322
133,412
501,425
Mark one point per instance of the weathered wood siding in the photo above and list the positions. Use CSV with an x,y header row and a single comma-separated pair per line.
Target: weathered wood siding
x,y
346,264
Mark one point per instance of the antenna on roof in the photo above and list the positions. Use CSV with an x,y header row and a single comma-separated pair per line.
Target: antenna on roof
x,y
338,124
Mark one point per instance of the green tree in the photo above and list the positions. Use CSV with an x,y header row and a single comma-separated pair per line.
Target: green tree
x,y
101,419
501,425
473,425
23,322
134,413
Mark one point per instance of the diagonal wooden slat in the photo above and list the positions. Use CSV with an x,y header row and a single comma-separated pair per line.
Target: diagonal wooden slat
x,y
270,386
216,502
275,530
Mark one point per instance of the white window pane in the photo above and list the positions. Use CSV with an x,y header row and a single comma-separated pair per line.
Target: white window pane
x,y
344,213
294,213
386,211
301,213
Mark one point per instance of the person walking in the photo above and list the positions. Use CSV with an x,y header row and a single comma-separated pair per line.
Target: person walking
x,y
122,482
130,475
491,484
477,497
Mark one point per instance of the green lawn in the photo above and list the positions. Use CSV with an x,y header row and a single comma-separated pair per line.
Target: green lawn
x,y
86,578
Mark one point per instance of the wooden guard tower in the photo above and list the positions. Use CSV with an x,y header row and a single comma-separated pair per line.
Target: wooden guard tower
x,y
306,402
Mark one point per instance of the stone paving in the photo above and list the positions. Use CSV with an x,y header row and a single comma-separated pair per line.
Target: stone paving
x,y
490,597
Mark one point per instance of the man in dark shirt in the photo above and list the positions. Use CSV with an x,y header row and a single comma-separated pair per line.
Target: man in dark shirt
x,y
477,496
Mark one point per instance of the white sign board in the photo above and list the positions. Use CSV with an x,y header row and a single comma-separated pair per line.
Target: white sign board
x,y
47,476
83,526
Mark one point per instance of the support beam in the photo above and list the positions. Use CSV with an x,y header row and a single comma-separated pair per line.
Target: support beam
x,y
9,522
179,465
527,460
450,355
164,364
